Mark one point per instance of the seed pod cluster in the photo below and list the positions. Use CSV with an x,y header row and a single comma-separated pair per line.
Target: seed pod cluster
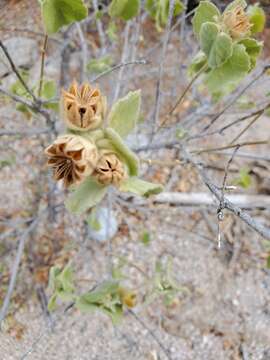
x,y
75,156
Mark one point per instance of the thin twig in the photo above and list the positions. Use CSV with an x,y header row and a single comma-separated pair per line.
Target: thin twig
x,y
15,268
161,67
43,53
153,335
116,67
236,97
230,146
259,228
15,70
246,128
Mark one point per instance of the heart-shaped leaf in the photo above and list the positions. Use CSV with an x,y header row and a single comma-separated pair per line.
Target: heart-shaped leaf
x,y
225,78
206,11
57,13
215,44
85,196
125,113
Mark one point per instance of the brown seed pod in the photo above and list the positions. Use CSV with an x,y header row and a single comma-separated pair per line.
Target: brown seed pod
x,y
109,170
72,158
83,107
237,22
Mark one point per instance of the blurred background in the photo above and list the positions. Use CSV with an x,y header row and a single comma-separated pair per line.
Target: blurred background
x,y
218,304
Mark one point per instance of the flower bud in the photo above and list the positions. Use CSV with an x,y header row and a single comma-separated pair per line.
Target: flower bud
x,y
83,107
72,158
109,170
237,22
127,297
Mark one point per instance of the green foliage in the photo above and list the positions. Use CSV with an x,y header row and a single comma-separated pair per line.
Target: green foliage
x,y
58,13
125,113
124,9
216,45
253,48
123,151
159,11
140,187
163,285
205,12
257,18
268,262
224,60
224,79
85,196
48,92
112,31
92,220
198,62
7,161
244,179
146,238
61,285
105,298
96,66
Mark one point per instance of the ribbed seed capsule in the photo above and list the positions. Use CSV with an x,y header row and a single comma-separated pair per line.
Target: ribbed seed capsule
x,y
109,170
72,158
83,107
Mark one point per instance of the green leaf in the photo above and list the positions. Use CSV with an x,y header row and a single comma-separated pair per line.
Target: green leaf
x,y
96,66
257,18
216,45
268,262
244,179
159,11
123,151
57,13
140,187
93,222
199,61
125,113
52,303
49,89
146,238
54,272
125,9
112,31
253,48
205,12
86,195
66,279
99,294
224,79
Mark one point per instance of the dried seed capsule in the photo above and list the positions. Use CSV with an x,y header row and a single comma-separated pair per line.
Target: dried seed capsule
x,y
109,170
237,22
72,158
83,107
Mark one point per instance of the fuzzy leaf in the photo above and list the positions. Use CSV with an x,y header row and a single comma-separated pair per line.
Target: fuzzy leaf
x,y
205,12
57,13
125,113
125,9
257,18
123,151
159,11
217,46
52,303
140,187
253,48
224,79
85,196
96,66
197,63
